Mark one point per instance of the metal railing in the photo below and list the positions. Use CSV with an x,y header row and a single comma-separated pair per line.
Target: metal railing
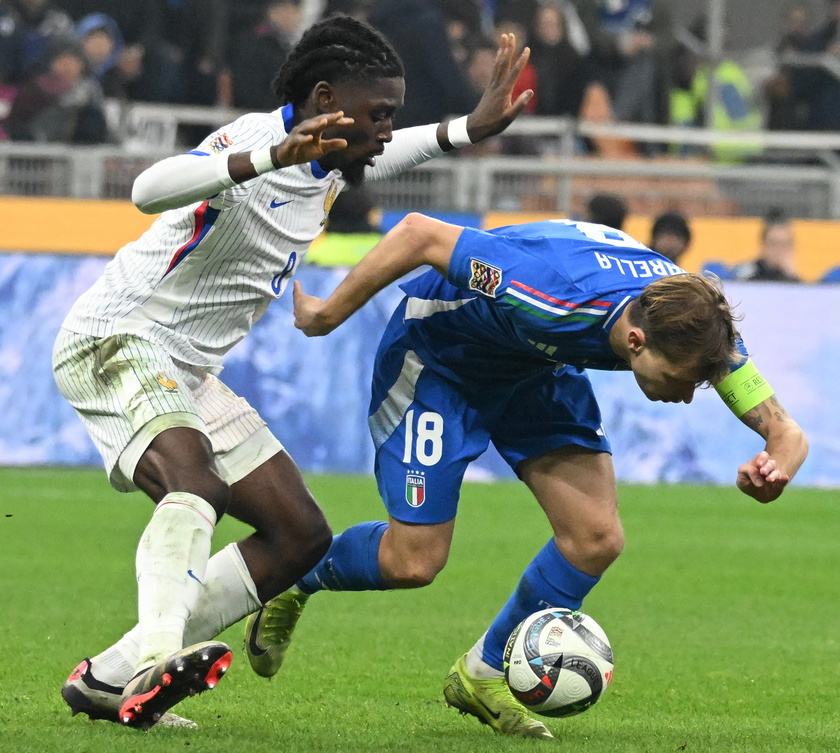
x,y
803,174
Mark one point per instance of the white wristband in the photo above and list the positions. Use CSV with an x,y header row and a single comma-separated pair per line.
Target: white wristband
x,y
261,160
456,132
222,172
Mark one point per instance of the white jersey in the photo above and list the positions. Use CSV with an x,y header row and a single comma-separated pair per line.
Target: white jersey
x,y
202,275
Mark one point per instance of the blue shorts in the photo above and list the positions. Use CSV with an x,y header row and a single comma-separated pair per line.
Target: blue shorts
x,y
428,424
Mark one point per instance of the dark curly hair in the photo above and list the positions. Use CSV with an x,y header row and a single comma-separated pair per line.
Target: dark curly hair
x,y
339,48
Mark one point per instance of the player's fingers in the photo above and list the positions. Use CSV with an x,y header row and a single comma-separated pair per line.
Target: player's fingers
x,y
520,63
761,458
521,101
331,145
504,56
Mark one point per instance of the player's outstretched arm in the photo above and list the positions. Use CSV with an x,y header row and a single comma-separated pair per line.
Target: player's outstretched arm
x,y
413,242
765,476
186,178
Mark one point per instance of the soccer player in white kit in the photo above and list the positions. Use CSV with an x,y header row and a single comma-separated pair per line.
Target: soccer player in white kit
x,y
139,352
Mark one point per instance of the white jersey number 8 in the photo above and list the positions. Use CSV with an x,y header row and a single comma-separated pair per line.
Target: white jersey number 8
x,y
604,234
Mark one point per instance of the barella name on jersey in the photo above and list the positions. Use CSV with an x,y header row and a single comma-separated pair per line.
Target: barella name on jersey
x,y
638,267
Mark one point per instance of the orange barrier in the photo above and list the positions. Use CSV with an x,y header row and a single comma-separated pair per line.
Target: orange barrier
x,y
71,226
82,226
729,240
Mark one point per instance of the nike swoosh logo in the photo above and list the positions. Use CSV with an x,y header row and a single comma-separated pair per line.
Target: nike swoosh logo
x,y
194,576
274,203
494,714
253,646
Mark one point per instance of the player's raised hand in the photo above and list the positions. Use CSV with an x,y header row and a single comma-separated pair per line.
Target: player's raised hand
x,y
760,479
496,110
306,141
307,309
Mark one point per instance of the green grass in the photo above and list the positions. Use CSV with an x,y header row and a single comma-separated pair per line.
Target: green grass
x,y
723,614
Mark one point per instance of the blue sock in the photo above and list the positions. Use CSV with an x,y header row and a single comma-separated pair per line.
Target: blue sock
x,y
351,563
548,581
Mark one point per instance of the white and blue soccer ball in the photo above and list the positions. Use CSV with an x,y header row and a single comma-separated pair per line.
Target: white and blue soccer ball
x,y
558,662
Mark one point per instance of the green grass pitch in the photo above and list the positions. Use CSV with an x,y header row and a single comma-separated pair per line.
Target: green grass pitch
x,y
723,614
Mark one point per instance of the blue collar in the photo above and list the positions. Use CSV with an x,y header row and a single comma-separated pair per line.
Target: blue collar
x,y
287,112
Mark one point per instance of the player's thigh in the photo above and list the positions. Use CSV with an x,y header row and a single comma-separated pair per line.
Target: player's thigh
x,y
551,434
576,488
424,436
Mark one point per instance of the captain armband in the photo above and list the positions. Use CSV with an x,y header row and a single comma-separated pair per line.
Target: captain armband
x,y
743,389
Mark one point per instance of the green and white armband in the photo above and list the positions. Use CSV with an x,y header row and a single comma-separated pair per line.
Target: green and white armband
x,y
743,389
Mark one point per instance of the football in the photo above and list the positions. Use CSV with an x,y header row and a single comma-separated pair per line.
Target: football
x,y
558,662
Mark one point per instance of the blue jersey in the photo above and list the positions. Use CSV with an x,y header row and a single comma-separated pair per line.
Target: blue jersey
x,y
527,297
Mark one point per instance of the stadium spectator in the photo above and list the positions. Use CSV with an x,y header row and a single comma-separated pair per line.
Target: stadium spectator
x,y
138,352
197,29
670,236
103,44
776,260
788,89
436,86
147,65
824,94
59,101
606,209
28,28
257,53
630,41
490,346
563,70
734,107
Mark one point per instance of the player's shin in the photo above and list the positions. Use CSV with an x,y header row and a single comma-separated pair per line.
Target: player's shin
x,y
171,563
550,580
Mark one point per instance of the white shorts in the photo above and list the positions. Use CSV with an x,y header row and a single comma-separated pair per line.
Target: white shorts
x,y
128,390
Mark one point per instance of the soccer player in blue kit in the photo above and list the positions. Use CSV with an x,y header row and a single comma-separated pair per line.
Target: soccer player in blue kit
x,y
491,345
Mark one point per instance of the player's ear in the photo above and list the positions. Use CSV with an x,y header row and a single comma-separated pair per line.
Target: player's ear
x,y
635,340
323,96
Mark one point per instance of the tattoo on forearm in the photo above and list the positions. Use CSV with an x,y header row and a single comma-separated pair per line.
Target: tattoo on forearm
x,y
779,413
753,418
756,417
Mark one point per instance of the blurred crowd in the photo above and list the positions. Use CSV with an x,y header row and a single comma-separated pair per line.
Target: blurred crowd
x,y
620,60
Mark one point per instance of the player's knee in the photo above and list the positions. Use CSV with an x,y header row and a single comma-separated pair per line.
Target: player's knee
x,y
603,545
213,490
415,571
314,545
594,551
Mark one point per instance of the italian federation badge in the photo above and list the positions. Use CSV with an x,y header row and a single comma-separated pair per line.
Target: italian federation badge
x,y
415,488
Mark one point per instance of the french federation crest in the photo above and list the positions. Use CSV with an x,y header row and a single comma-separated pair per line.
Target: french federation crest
x,y
415,488
484,278
329,200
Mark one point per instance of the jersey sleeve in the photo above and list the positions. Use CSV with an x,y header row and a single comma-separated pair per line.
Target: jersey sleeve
x,y
408,148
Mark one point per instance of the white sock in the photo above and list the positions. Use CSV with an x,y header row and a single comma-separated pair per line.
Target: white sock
x,y
229,594
479,668
171,563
